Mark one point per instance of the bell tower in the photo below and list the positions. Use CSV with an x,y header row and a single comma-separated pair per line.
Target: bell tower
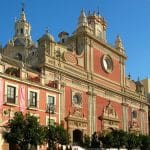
x,y
98,24
21,44
22,30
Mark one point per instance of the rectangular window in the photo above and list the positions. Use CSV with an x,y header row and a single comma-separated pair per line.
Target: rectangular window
x,y
134,114
50,100
33,99
11,94
50,105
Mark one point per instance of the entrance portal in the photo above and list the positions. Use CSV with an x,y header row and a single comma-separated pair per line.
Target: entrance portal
x,y
77,137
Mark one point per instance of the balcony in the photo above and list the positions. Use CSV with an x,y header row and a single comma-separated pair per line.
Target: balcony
x,y
52,84
34,79
13,71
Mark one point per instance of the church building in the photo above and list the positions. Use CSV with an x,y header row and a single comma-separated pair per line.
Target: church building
x,y
81,76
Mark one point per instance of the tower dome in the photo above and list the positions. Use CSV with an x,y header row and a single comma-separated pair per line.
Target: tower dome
x,y
47,36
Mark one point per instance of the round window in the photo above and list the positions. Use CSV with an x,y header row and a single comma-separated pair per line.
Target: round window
x,y
77,98
107,63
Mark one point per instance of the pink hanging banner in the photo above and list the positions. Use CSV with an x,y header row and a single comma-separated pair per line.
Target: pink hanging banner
x,y
22,98
1,93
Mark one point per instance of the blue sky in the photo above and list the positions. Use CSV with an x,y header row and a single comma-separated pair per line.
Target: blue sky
x,y
128,18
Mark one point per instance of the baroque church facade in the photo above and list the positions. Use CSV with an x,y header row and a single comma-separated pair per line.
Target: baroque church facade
x,y
82,77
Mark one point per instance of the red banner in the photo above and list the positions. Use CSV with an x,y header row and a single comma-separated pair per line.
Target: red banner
x,y
22,98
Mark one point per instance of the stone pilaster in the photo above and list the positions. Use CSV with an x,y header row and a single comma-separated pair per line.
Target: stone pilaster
x,y
91,111
61,87
94,112
122,69
125,116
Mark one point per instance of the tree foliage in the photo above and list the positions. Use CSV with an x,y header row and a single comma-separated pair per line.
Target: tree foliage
x,y
57,134
25,130
86,141
133,141
95,143
62,135
145,142
120,139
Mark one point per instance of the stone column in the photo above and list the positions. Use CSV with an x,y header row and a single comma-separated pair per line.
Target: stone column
x,y
122,69
142,121
125,116
91,111
94,112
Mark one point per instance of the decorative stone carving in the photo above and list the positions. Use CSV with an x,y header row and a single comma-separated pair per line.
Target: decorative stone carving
x,y
76,119
134,127
70,57
109,118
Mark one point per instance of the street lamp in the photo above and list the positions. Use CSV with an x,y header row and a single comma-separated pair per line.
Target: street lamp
x,y
50,110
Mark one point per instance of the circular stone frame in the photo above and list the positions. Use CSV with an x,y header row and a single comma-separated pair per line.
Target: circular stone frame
x,y
107,63
77,99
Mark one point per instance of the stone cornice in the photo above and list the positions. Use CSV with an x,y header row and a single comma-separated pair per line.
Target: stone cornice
x,y
92,83
82,73
74,118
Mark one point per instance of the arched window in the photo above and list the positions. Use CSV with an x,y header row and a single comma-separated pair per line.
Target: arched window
x,y
134,114
21,31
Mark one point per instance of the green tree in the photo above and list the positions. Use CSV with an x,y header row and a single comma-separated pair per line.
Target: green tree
x,y
115,138
25,131
107,140
86,141
62,135
119,138
57,134
133,141
145,142
95,143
